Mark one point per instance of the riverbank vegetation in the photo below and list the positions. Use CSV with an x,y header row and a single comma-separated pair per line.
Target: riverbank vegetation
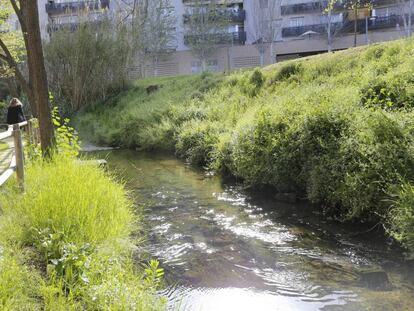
x,y
336,129
66,243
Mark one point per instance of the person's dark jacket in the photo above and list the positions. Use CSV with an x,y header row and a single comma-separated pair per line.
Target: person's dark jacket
x,y
15,115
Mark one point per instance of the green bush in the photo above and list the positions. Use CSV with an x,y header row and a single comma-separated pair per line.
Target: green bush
x,y
402,216
196,142
287,71
388,94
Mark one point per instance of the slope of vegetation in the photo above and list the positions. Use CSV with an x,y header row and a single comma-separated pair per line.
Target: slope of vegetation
x,y
66,243
336,129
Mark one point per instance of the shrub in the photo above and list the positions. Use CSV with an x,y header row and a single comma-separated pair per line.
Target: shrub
x,y
402,216
257,79
287,71
387,94
196,142
375,52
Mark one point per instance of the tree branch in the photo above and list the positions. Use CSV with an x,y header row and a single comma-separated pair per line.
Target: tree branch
x,y
8,58
19,14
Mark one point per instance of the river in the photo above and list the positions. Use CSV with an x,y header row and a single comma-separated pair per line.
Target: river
x,y
223,248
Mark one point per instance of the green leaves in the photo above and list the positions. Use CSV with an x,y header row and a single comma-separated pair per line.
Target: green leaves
x,y
66,140
153,274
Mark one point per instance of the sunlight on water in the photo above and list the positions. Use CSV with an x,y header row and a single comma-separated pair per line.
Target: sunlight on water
x,y
222,249
227,299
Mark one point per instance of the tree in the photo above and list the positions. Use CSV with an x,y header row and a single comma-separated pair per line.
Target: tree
x,y
206,29
267,26
37,85
13,52
406,9
158,36
330,20
354,7
86,64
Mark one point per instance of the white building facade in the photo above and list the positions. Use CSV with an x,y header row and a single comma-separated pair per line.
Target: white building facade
x,y
299,29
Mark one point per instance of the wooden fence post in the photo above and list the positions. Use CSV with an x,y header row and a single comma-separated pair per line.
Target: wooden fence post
x,y
30,132
18,151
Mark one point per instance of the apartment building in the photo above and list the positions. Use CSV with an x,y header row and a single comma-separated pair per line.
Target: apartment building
x,y
260,32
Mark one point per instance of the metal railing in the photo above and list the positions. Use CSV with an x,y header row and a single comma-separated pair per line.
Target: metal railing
x,y
300,30
57,8
238,37
300,8
379,22
319,6
238,16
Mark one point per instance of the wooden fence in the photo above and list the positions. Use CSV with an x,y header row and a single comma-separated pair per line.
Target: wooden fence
x,y
17,161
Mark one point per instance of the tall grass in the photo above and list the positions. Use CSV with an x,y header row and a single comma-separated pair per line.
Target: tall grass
x,y
336,129
18,290
77,200
65,244
127,120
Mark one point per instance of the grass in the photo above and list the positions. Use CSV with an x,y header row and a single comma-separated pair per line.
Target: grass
x,y
125,120
81,202
66,243
336,129
3,146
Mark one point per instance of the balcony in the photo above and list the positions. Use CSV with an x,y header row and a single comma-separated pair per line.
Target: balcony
x,y
299,30
383,22
319,6
73,26
380,22
301,8
227,15
63,7
226,2
52,27
228,38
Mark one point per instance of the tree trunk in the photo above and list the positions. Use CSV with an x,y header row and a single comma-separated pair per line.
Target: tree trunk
x,y
329,31
228,60
261,53
355,25
37,72
11,84
154,67
203,64
405,22
272,56
410,8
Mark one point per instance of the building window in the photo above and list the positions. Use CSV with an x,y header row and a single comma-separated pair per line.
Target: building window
x,y
335,18
233,28
196,67
296,22
264,4
212,65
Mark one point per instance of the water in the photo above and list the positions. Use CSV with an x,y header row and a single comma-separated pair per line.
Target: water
x,y
225,249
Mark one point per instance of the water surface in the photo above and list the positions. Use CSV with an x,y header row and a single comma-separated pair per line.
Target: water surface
x,y
226,249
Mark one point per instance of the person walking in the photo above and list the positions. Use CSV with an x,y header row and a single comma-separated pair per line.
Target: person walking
x,y
15,112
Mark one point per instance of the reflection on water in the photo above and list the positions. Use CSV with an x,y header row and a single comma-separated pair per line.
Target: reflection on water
x,y
224,249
